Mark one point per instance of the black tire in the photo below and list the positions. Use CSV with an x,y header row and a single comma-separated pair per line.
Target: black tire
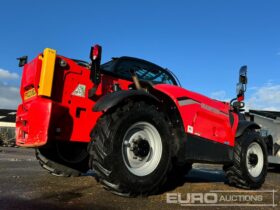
x,y
106,153
52,158
181,170
238,173
177,176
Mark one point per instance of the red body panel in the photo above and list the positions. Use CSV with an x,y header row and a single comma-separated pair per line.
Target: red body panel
x,y
203,116
64,116
32,130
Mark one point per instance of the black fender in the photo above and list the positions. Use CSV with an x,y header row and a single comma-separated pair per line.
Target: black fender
x,y
112,99
243,125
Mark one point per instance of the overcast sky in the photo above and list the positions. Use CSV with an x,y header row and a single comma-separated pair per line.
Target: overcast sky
x,y
203,42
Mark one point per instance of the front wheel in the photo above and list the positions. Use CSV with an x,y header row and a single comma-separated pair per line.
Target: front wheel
x,y
250,164
130,149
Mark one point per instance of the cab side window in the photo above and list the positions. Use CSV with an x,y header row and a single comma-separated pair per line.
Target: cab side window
x,y
144,71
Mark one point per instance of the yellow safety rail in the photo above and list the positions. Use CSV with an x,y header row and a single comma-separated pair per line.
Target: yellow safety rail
x,y
47,72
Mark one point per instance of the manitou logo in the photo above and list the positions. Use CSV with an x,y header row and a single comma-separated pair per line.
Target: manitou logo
x,y
192,198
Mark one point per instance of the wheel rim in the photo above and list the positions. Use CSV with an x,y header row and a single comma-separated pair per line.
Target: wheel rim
x,y
141,148
254,159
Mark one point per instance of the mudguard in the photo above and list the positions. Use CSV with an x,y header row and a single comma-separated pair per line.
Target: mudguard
x,y
110,100
243,125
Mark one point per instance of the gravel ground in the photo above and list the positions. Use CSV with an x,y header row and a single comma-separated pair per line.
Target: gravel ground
x,y
24,185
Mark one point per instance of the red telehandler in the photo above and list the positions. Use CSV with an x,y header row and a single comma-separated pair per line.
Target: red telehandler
x,y
131,122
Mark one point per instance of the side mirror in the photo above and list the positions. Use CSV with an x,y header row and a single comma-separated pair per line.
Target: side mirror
x,y
240,89
241,86
243,75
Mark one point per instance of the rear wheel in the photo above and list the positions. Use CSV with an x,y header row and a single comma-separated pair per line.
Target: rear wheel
x,y
249,168
130,150
63,158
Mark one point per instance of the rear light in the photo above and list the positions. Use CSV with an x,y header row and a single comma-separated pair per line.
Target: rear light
x,y
95,56
95,53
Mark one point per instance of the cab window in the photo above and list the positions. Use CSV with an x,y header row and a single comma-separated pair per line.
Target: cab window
x,y
145,71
